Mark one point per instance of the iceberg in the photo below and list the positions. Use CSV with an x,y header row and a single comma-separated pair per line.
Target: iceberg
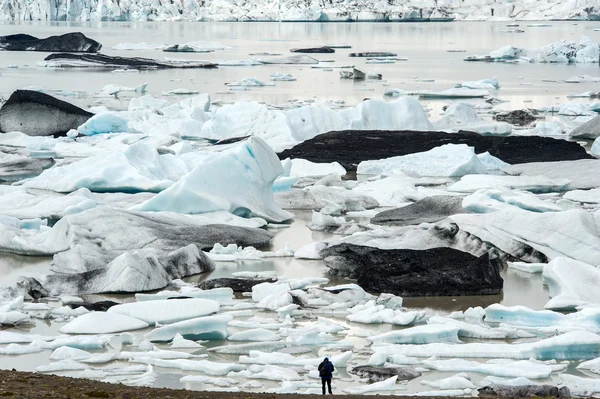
x,y
167,311
74,238
572,233
138,168
459,381
310,251
576,345
255,334
275,373
136,271
449,160
201,366
303,168
584,196
419,335
104,123
61,365
521,316
250,168
535,184
521,368
102,323
491,200
579,386
570,283
583,174
208,328
381,386
65,352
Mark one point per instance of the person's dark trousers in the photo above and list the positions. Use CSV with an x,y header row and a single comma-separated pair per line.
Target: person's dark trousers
x,y
328,381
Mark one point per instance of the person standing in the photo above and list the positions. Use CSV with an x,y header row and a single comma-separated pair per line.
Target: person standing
x,y
326,373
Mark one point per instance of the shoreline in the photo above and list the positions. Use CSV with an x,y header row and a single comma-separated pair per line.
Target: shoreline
x,y
20,384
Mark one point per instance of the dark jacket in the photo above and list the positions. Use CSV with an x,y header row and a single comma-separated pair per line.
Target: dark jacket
x,y
326,369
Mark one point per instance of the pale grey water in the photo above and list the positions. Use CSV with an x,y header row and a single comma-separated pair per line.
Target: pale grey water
x,y
426,47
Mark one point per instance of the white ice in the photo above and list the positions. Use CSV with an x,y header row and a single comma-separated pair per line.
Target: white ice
x,y
449,160
102,323
167,311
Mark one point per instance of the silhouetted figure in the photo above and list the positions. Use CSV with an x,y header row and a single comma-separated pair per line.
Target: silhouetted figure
x,y
326,373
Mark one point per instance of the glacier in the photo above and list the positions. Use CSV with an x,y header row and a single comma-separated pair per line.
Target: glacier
x,y
294,10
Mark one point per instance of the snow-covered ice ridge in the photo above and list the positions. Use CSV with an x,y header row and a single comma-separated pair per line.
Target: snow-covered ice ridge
x,y
296,10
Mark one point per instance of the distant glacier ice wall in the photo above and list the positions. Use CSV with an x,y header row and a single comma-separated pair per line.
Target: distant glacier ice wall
x,y
295,10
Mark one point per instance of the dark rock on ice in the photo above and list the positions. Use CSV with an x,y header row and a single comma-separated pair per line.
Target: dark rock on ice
x,y
32,288
236,284
136,271
184,48
101,306
375,373
68,60
520,117
354,74
75,42
314,50
39,114
374,54
350,147
408,272
525,391
97,236
428,210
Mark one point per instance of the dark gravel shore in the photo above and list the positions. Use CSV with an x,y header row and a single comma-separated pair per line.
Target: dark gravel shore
x,y
16,384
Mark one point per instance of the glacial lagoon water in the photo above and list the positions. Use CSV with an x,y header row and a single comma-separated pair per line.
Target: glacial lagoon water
x,y
435,53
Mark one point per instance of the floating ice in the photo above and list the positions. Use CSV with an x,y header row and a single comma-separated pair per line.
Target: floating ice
x,y
491,200
585,196
459,381
570,346
256,334
250,168
484,84
167,311
536,184
381,386
450,160
419,335
155,354
102,323
202,366
224,295
570,283
209,327
181,343
301,167
66,352
527,267
586,319
572,233
104,123
138,168
310,251
579,386
583,174
62,365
